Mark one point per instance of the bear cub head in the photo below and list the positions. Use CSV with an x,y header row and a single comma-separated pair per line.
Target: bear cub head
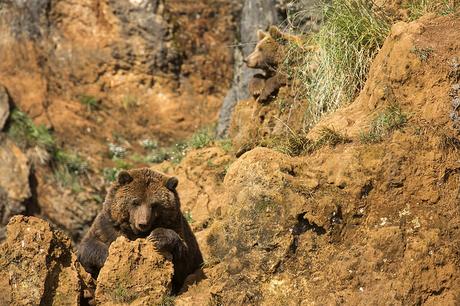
x,y
141,200
268,52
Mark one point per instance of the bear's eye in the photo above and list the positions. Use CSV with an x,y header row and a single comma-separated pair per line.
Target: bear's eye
x,y
135,202
155,205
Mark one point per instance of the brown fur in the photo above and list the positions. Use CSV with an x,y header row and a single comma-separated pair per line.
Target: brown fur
x,y
267,55
142,203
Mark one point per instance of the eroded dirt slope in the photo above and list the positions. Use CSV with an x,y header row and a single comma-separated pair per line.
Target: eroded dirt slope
x,y
97,73
361,223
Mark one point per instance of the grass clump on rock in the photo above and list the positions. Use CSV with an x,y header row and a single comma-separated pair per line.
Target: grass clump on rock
x,y
351,35
66,166
391,119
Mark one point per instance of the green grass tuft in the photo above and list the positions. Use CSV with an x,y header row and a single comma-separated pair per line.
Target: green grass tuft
x,y
66,166
24,132
331,137
91,103
202,138
391,119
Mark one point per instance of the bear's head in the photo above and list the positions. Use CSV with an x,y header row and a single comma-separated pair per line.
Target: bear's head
x,y
267,53
141,200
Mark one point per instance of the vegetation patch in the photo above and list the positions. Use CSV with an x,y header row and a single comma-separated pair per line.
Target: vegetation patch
x,y
66,166
418,8
298,144
392,118
91,103
346,44
26,134
422,53
202,138
123,295
167,300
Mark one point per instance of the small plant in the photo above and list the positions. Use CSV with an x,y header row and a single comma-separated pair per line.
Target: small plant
x,y
418,8
116,151
67,167
422,53
122,295
72,162
65,178
201,138
167,300
295,145
128,102
331,137
27,134
158,156
226,145
188,216
109,174
392,118
91,103
149,144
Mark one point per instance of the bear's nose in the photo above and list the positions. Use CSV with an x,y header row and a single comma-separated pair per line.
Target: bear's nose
x,y
143,226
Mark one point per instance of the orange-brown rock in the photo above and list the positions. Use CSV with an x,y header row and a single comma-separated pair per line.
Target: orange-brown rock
x,y
134,274
38,267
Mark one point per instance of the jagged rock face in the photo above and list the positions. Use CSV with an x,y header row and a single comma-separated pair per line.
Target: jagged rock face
x,y
151,67
14,183
37,266
126,54
135,274
255,15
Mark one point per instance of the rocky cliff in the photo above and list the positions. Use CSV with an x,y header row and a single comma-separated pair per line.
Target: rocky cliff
x,y
360,209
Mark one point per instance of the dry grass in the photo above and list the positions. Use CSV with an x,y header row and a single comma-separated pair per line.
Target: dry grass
x,y
346,44
418,8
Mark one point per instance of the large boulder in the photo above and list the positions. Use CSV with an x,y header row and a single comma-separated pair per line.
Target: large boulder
x,y
37,266
135,274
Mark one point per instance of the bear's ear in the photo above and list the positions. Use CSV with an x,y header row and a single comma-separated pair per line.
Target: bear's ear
x,y
171,183
124,177
277,34
261,34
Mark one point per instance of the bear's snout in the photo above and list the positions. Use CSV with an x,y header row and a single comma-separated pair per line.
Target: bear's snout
x,y
143,218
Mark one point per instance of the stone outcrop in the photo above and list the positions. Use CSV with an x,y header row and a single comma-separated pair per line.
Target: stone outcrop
x,y
255,15
134,274
37,266
14,182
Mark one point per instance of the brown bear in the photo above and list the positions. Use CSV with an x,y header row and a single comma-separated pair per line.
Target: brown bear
x,y
268,55
142,203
